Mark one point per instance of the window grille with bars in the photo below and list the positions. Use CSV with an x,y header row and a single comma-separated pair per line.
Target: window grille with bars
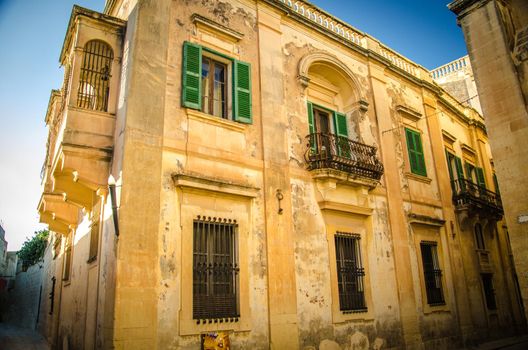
x,y
215,269
489,291
432,273
95,76
350,273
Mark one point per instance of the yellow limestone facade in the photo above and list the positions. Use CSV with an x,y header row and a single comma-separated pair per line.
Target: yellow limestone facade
x,y
496,35
261,170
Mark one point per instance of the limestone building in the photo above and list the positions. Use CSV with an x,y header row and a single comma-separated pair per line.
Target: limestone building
x,y
496,35
263,173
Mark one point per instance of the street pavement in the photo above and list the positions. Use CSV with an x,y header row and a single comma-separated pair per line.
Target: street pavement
x,y
15,338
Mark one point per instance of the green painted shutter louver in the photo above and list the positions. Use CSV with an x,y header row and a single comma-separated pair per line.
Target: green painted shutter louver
x,y
449,156
311,127
460,173
341,131
242,92
480,177
192,76
459,169
415,151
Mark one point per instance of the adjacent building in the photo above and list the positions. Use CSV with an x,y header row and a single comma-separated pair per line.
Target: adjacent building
x,y
496,33
262,174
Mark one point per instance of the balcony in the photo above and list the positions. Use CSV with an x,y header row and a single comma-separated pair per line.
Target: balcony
x,y
81,119
476,199
329,151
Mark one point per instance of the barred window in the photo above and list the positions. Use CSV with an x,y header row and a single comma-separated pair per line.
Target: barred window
x,y
350,273
432,273
215,269
489,291
95,76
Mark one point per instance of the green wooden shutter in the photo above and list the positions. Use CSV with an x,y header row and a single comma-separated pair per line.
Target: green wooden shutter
x,y
415,151
460,173
459,169
311,127
242,92
480,177
341,131
192,76
449,156
496,183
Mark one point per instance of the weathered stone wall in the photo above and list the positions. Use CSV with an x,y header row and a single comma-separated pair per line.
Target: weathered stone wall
x,y
23,299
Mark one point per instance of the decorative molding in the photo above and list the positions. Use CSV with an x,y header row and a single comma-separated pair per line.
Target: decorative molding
x,y
331,60
346,208
231,34
448,137
216,121
467,148
343,177
200,182
425,220
409,113
419,178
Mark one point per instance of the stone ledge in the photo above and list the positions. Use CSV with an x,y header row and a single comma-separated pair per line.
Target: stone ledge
x,y
204,183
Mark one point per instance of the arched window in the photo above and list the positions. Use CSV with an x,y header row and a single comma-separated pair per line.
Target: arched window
x,y
95,76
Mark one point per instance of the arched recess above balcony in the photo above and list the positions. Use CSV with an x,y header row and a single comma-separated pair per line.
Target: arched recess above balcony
x,y
320,67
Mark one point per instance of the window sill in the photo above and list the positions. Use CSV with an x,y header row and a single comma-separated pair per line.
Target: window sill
x,y
212,120
419,178
91,260
436,308
353,315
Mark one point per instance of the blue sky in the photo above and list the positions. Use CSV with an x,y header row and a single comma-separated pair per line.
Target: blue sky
x,y
31,36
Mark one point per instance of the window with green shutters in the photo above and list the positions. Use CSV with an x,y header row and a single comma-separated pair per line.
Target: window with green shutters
x,y
480,177
415,151
206,76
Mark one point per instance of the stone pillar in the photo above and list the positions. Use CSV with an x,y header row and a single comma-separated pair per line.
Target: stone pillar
x,y
137,267
397,221
457,287
279,231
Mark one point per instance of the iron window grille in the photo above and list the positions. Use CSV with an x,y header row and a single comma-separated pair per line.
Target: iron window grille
x,y
432,273
215,269
350,273
95,76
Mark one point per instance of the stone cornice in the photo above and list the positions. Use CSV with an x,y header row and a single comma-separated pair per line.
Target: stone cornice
x,y
461,7
79,11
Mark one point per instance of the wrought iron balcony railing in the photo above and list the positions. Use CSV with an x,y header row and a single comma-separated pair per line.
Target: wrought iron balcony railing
x,y
337,152
466,192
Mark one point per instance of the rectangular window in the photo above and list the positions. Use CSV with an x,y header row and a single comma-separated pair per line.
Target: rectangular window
x,y
215,269
212,82
94,241
415,151
432,273
67,260
350,273
479,237
489,292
